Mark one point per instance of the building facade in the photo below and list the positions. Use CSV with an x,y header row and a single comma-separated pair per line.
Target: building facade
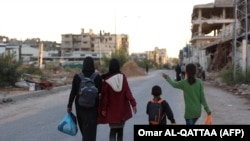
x,y
212,26
158,55
102,43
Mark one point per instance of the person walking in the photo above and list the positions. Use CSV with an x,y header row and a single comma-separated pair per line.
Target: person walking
x,y
183,71
162,106
116,101
146,68
87,118
193,92
178,72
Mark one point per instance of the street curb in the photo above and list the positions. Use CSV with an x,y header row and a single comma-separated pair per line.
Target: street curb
x,y
54,90
30,94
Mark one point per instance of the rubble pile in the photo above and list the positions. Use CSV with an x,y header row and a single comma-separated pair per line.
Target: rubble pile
x,y
52,79
131,69
238,89
60,77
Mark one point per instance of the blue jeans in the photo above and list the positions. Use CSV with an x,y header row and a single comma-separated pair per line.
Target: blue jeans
x,y
191,121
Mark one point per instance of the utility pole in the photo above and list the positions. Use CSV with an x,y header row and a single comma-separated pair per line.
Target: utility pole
x,y
115,29
100,53
40,56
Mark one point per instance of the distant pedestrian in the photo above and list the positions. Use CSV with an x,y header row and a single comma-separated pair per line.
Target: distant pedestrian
x,y
116,101
163,112
193,92
183,71
146,68
200,72
87,118
178,72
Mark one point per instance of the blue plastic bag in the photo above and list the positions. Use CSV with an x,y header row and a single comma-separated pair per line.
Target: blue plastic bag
x,y
68,124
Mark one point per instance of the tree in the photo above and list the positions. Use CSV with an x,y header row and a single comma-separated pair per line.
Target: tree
x,y
9,72
120,54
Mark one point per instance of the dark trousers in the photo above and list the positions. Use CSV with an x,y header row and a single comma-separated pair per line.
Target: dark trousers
x,y
116,134
87,123
178,76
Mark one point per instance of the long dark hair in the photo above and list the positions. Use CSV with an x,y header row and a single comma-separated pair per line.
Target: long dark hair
x,y
191,73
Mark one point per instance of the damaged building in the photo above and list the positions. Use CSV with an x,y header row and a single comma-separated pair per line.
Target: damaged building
x,y
219,35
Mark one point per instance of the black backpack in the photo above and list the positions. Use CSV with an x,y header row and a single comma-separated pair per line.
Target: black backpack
x,y
88,92
155,112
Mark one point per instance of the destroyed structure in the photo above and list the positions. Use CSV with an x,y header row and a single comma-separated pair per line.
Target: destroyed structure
x,y
219,35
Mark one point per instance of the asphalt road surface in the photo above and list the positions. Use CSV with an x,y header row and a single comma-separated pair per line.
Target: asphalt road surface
x,y
36,118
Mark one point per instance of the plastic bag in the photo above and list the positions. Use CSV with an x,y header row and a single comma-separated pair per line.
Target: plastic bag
x,y
208,120
68,124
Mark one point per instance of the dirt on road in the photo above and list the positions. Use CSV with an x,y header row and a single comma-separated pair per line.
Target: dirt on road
x,y
226,107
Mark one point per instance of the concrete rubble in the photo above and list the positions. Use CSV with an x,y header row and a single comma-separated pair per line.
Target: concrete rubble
x,y
238,89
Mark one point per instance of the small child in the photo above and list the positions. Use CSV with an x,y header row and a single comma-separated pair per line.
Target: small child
x,y
158,109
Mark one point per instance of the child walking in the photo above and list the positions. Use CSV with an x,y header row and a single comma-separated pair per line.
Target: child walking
x,y
194,96
158,109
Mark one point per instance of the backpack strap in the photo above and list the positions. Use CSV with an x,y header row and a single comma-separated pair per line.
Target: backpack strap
x,y
81,75
159,101
93,75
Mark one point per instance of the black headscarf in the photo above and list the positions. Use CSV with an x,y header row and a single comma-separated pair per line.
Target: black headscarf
x,y
114,67
88,65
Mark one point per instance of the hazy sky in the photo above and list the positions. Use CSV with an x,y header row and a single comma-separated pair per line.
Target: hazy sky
x,y
149,23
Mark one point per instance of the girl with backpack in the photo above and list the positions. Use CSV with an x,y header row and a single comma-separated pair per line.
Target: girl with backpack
x,y
86,117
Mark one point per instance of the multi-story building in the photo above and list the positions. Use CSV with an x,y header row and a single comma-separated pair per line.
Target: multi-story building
x,y
110,42
101,44
4,39
77,42
73,48
241,47
212,24
138,56
159,56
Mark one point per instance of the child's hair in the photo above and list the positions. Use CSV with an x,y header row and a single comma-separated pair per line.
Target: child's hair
x,y
156,90
191,72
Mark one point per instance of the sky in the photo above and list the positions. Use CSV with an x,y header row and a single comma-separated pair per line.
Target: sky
x,y
149,23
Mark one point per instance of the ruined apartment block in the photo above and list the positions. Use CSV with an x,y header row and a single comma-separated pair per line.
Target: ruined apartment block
x,y
212,23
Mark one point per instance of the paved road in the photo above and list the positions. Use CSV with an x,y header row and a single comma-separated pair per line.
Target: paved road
x,y
228,108
37,117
